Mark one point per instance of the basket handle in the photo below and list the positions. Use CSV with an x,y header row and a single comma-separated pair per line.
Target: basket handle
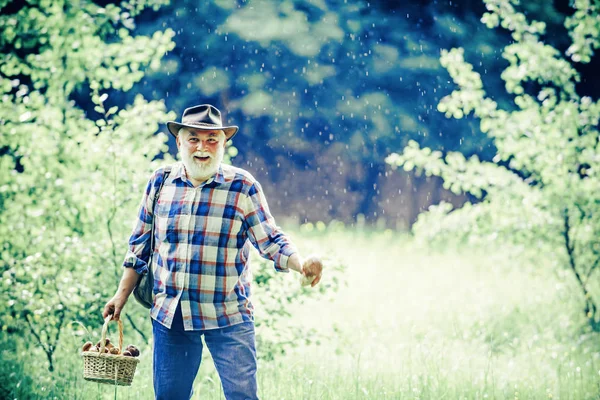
x,y
105,330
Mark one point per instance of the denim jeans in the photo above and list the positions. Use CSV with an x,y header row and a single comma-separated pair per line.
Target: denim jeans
x,y
177,356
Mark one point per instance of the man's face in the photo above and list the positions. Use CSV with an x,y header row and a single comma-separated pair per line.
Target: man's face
x,y
201,151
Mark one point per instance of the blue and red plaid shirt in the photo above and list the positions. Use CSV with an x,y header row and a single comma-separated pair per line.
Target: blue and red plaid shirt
x,y
202,239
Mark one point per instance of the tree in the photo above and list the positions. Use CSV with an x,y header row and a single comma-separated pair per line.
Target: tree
x,y
70,181
542,187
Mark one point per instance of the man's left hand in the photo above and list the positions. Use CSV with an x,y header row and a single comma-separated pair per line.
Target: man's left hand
x,y
313,268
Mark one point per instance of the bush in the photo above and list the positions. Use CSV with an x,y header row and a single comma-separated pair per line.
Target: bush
x,y
541,188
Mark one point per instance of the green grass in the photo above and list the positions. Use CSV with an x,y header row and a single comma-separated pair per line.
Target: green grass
x,y
412,323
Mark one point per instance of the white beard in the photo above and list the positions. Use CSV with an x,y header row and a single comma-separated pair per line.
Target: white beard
x,y
202,171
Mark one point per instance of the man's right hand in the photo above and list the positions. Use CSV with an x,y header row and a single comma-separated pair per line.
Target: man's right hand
x,y
114,307
116,304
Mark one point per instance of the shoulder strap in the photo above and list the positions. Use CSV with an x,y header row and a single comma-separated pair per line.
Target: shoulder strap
x,y
166,173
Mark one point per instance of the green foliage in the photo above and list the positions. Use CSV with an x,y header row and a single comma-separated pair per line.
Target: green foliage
x,y
584,29
468,325
70,182
275,293
542,186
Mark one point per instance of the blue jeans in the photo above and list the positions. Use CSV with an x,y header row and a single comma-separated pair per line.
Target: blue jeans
x,y
177,356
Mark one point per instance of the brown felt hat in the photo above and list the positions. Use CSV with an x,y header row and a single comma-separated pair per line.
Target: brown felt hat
x,y
203,116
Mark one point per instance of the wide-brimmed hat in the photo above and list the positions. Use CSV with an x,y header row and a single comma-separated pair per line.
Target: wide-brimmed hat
x,y
203,116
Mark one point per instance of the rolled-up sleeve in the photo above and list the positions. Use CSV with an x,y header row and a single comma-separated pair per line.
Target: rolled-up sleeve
x,y
270,241
138,254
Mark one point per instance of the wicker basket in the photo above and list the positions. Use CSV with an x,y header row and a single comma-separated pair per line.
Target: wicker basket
x,y
114,369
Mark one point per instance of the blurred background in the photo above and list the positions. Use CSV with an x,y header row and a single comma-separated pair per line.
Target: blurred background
x,y
356,118
324,91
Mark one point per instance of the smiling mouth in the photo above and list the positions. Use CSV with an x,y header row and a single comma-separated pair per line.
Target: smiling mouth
x,y
201,158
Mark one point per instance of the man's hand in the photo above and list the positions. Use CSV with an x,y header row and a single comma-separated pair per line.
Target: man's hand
x,y
312,270
116,304
114,307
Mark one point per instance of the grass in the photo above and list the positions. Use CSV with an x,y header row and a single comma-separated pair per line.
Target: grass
x,y
412,323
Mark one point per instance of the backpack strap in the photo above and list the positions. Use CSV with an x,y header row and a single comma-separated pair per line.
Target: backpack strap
x,y
166,173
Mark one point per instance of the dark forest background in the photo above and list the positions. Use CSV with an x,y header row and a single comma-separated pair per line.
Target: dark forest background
x,y
324,91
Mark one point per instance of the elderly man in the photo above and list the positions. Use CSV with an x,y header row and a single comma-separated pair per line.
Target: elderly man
x,y
206,217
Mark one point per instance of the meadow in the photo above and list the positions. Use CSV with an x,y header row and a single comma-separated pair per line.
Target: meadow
x,y
410,322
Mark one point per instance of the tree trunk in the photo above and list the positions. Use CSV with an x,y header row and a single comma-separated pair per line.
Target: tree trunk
x,y
590,309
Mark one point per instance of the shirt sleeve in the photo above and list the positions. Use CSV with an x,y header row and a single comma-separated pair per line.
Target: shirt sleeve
x,y
138,254
270,241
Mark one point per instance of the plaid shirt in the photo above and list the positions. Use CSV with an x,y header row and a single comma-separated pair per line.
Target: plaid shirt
x,y
202,239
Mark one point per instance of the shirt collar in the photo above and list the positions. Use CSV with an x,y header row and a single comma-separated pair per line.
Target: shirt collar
x,y
179,173
219,178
